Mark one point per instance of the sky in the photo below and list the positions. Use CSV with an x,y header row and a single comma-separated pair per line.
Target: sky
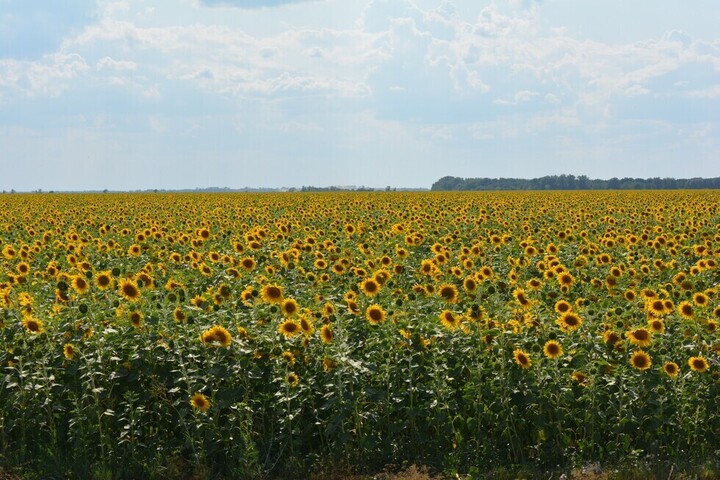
x,y
176,94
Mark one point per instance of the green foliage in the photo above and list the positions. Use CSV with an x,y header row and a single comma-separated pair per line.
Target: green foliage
x,y
145,393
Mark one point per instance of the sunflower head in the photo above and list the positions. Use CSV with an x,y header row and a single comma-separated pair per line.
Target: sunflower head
x,y
217,336
272,294
522,358
698,364
639,336
69,351
326,334
375,314
640,360
671,369
200,402
289,328
552,349
450,320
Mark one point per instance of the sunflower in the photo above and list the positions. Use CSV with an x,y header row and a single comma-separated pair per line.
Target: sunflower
x,y
686,309
671,369
271,294
292,379
656,307
698,364
179,315
200,402
569,321
448,293
450,320
33,325
129,290
370,287
522,358
522,298
640,360
326,334
289,307
640,337
656,325
329,364
534,284
375,314
104,280
580,377
562,306
629,295
69,351
136,319
700,299
216,336
79,284
552,349
565,279
289,358
306,325
353,307
289,328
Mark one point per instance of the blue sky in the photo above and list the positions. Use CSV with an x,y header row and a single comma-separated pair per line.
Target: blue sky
x,y
170,94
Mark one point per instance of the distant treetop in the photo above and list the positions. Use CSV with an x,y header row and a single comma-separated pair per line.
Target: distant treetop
x,y
571,182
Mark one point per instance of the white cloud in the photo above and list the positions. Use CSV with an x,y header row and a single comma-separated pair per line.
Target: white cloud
x,y
109,63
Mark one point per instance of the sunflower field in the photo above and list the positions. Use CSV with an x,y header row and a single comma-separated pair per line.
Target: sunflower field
x,y
253,335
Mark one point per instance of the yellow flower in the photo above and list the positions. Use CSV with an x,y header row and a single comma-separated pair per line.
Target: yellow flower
x,y
450,320
216,336
33,325
200,402
326,334
289,328
640,337
698,364
375,314
69,351
640,360
522,358
552,349
671,369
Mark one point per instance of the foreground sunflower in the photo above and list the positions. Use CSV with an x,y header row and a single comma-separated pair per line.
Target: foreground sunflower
x,y
450,320
289,328
326,334
698,364
69,351
129,290
33,325
671,369
639,336
569,321
640,360
271,294
216,336
552,349
522,358
375,314
200,402
289,307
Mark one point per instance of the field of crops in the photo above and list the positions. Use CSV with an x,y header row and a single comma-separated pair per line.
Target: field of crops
x,y
243,335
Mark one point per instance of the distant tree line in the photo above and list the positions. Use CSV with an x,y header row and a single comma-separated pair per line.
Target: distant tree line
x,y
571,182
